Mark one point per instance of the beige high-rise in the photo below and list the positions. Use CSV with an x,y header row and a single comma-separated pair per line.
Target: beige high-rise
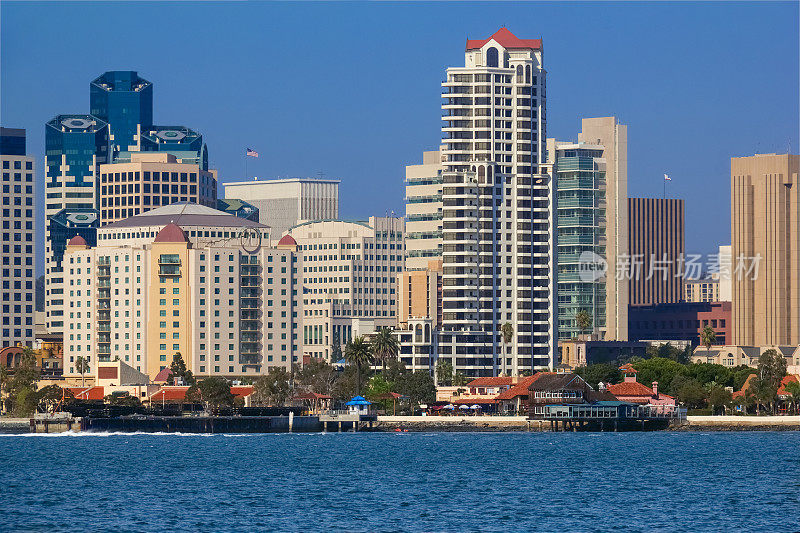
x,y
765,222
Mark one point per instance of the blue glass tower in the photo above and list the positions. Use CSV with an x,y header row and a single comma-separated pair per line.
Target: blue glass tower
x,y
180,141
124,100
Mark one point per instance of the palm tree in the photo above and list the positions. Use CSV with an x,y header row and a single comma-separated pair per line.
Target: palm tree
x,y
357,353
82,366
507,330
385,346
583,320
708,337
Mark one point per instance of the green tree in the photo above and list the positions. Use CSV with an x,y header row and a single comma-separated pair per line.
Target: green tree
x,y
385,346
179,371
444,371
357,353
376,386
214,392
708,337
336,347
793,392
770,371
583,320
719,397
595,373
740,374
82,367
317,376
21,386
5,378
688,391
418,386
122,399
659,369
707,373
272,389
507,332
459,379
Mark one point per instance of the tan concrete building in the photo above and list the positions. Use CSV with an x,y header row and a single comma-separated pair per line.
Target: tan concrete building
x,y
765,223
150,180
183,278
656,244
424,211
419,294
349,279
701,290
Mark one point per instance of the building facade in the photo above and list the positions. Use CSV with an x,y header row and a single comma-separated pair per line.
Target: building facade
x,y
124,101
419,294
765,224
701,290
680,321
182,279
349,279
150,180
498,218
592,182
284,203
656,245
424,211
18,217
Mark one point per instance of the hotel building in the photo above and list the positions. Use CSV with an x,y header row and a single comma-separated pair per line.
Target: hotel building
x,y
592,182
765,223
498,216
284,203
183,278
349,279
657,249
17,237
424,211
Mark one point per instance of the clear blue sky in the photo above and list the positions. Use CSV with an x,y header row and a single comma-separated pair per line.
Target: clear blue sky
x,y
353,89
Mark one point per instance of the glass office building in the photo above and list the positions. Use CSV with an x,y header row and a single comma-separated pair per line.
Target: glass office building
x,y
123,100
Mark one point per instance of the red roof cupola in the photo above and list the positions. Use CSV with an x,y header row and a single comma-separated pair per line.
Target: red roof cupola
x,y
287,240
77,240
506,39
171,233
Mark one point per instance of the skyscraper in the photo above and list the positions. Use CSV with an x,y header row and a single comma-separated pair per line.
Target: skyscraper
x,y
75,147
592,178
498,214
17,239
424,211
125,101
765,233
656,242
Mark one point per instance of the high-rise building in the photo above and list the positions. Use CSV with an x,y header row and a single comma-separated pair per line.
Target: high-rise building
x,y
498,217
75,147
419,295
125,101
18,216
765,233
592,182
723,273
150,180
284,203
424,211
182,278
701,290
349,274
656,245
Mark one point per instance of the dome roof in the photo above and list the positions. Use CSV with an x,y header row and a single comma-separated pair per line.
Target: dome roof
x,y
171,233
287,240
77,240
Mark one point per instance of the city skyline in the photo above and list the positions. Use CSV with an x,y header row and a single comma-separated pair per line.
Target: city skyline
x,y
271,117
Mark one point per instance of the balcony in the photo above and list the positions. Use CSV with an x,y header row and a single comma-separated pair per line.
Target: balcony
x,y
169,270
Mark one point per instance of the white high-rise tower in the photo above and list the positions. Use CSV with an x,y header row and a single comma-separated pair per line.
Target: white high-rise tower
x,y
497,211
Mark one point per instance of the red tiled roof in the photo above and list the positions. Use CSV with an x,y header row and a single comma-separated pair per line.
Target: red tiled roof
x,y
498,381
87,393
785,381
311,396
628,368
163,376
171,233
630,388
521,388
506,39
242,390
745,386
170,394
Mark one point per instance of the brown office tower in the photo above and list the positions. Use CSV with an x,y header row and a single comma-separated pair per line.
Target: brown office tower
x,y
656,247
765,223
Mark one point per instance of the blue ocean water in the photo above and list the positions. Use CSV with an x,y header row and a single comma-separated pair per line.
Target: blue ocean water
x,y
748,481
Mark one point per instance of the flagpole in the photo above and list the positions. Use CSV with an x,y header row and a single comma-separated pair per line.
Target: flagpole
x,y
245,165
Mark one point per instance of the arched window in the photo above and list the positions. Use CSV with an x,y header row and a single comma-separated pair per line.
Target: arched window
x,y
519,73
427,333
418,333
527,73
505,59
481,174
491,57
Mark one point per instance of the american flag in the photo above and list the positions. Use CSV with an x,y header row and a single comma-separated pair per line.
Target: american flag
x,y
251,152
667,178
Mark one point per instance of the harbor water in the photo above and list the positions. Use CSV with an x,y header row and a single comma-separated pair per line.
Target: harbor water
x,y
665,481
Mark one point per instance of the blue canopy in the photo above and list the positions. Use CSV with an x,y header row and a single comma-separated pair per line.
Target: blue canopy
x,y
359,400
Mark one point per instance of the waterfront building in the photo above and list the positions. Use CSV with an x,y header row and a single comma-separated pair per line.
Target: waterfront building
x,y
349,279
680,321
765,203
17,237
592,182
75,147
150,180
124,101
183,278
656,244
701,290
632,391
424,211
284,203
561,388
498,217
732,355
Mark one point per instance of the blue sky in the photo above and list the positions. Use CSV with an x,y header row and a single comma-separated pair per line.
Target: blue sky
x,y
352,90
